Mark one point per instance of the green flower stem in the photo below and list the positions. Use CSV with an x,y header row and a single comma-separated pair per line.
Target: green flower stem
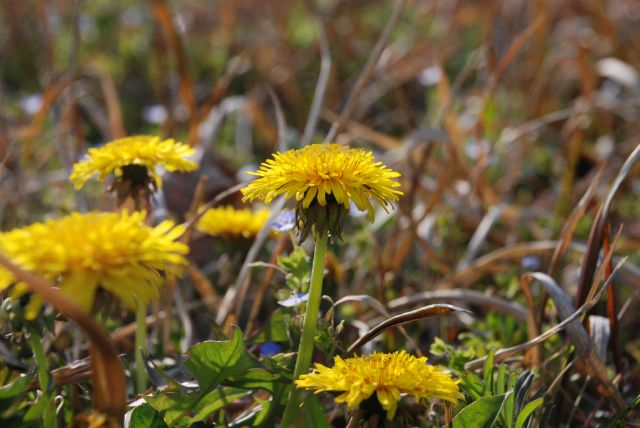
x,y
141,340
49,410
40,357
305,351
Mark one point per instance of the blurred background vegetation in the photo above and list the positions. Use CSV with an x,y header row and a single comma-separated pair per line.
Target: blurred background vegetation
x,y
501,114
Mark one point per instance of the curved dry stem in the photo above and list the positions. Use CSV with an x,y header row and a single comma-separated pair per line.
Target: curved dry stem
x,y
109,383
379,308
407,317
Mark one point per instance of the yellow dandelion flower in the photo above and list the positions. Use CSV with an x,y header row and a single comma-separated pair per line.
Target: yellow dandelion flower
x,y
318,170
231,222
324,179
388,375
142,151
81,252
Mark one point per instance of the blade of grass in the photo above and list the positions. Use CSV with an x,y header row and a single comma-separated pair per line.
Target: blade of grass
x,y
596,235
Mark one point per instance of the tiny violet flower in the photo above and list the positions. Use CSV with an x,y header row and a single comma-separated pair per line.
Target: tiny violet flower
x,y
531,263
293,300
284,222
269,349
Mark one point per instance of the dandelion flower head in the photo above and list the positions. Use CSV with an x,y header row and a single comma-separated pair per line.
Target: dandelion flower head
x,y
81,252
386,375
233,223
142,151
319,170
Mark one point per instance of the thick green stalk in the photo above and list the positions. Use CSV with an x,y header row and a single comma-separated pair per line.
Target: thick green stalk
x,y
140,202
141,340
305,351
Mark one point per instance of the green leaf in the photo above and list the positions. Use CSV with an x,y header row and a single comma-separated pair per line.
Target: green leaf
x,y
212,362
42,410
313,413
488,374
298,267
18,387
296,263
180,410
472,385
277,330
482,413
500,388
215,400
40,358
145,416
257,379
500,385
49,413
527,410
173,407
509,402
438,347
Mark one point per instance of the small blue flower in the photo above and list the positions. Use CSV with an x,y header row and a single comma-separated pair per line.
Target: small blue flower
x,y
284,221
269,349
531,263
294,299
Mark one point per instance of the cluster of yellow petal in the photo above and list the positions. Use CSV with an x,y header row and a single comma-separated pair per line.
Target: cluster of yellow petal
x,y
81,252
233,223
388,375
318,170
143,150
